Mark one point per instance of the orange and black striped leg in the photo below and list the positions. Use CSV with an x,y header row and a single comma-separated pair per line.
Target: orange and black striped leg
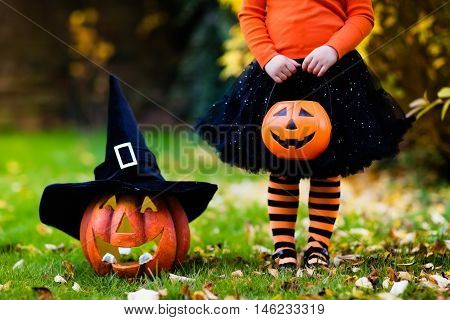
x,y
323,204
282,198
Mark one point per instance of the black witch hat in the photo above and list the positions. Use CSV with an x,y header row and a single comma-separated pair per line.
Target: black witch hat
x,y
129,166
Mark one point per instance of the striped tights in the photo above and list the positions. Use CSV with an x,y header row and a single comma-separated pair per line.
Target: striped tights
x,y
323,205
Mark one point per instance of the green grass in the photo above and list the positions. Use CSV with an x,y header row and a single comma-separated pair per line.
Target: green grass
x,y
387,217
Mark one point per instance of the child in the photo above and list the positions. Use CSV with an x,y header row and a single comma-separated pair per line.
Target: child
x,y
305,51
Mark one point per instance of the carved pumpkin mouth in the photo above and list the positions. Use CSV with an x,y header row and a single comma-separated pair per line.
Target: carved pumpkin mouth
x,y
297,144
128,257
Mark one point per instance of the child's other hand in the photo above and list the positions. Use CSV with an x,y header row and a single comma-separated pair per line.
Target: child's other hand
x,y
280,67
320,60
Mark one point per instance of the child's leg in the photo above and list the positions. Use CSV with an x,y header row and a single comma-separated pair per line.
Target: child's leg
x,y
282,198
323,204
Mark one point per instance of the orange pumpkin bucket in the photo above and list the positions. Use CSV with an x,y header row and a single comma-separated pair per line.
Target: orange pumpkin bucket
x,y
296,130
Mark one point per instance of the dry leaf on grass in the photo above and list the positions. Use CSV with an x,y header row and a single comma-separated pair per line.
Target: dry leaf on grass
x,y
352,259
53,247
441,281
6,286
18,264
60,279
429,266
392,274
403,275
364,283
399,287
143,294
387,296
174,277
207,289
261,249
273,272
198,295
373,276
43,293
386,283
76,287
237,274
68,267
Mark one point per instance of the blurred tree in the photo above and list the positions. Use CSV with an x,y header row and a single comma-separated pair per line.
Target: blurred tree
x,y
88,85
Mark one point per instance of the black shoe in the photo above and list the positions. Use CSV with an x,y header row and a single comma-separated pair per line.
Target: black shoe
x,y
320,254
285,253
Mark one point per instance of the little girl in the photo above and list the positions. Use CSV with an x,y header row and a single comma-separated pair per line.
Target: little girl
x,y
304,50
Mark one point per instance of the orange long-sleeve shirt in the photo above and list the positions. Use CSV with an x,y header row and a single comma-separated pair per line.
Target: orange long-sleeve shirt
x,y
296,27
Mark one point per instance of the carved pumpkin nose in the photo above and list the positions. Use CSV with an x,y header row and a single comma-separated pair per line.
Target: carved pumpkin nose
x,y
291,125
125,226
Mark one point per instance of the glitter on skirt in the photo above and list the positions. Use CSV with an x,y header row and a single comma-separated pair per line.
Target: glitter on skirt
x,y
367,123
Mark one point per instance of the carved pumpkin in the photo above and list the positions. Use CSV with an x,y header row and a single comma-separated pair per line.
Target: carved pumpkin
x,y
131,234
296,130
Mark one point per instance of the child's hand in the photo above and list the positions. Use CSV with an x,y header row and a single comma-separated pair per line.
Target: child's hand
x,y
320,60
279,68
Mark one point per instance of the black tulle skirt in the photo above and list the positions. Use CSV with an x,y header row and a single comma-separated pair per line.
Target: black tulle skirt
x,y
367,123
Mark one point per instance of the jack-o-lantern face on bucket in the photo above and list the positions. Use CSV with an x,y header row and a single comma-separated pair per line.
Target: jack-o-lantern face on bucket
x,y
131,234
296,130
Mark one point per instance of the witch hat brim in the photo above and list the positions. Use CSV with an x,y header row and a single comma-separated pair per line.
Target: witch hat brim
x,y
62,205
129,167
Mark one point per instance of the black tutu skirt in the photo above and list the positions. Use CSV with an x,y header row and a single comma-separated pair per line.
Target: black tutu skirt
x,y
367,123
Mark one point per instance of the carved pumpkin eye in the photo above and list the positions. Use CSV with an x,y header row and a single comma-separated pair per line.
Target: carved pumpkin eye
x,y
148,203
304,113
282,113
112,202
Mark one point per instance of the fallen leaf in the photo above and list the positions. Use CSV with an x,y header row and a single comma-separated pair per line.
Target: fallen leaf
x,y
162,292
69,269
29,247
360,232
392,274
364,283
447,244
356,269
441,281
403,275
237,274
76,287
6,286
53,247
43,229
426,283
207,288
353,259
386,283
408,238
399,287
373,276
60,279
229,298
18,264
273,272
43,293
299,273
143,294
429,266
174,277
387,296
261,249
198,295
